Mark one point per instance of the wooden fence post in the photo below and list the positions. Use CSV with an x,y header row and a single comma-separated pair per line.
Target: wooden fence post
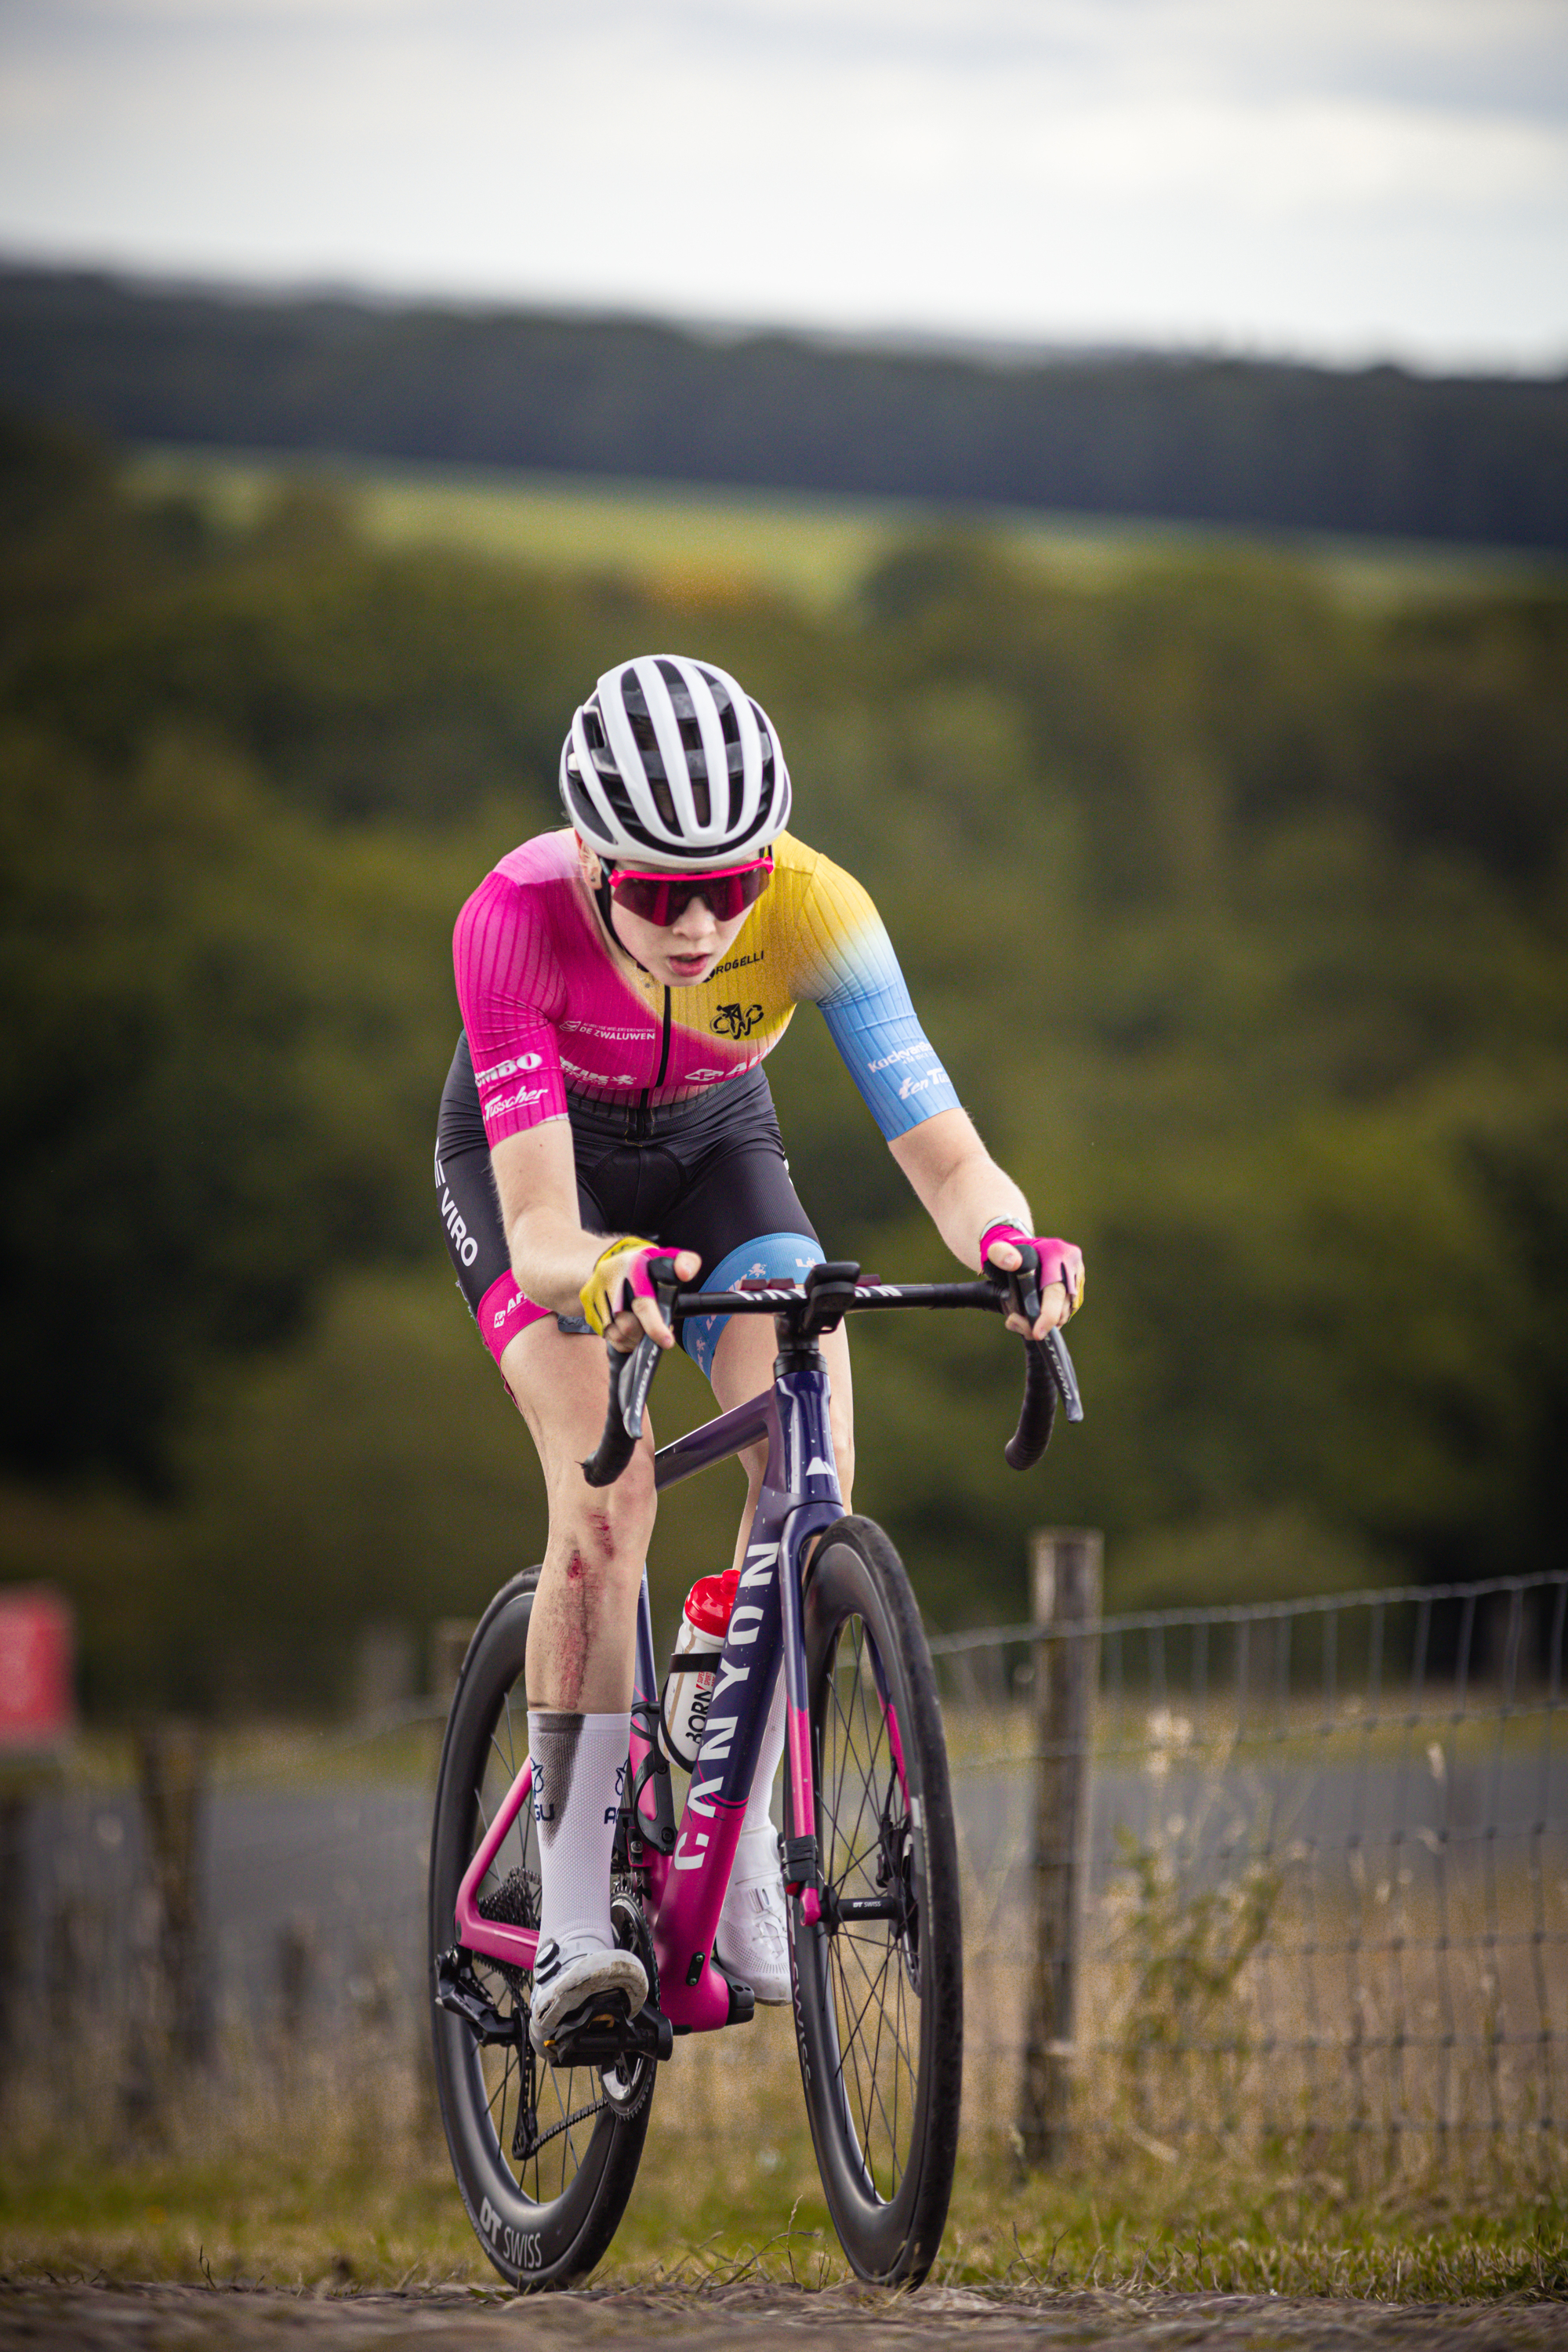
x,y
14,1893
172,1768
1065,1576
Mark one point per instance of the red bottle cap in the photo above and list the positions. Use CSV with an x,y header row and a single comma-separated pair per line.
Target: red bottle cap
x,y
709,1602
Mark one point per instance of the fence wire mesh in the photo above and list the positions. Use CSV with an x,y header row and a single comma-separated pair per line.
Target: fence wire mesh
x,y
1324,1866
1323,1878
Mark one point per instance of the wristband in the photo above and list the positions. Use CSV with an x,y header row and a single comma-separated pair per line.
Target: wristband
x,y
620,1275
1059,1261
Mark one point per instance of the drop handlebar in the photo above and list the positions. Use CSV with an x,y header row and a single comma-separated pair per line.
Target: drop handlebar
x,y
802,1311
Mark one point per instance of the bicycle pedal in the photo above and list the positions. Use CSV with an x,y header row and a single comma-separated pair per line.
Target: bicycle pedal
x,y
604,2030
600,2015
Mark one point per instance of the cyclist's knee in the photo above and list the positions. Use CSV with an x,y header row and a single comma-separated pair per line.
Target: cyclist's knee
x,y
607,1526
843,1429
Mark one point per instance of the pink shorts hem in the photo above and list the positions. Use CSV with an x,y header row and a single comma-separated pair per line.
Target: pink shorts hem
x,y
503,1312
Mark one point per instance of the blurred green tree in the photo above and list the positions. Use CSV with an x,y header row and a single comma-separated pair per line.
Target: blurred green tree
x,y
1238,912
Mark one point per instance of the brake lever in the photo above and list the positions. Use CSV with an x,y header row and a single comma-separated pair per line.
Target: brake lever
x,y
1024,1294
635,1371
1062,1372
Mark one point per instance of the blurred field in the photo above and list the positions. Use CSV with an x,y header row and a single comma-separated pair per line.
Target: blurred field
x,y
704,548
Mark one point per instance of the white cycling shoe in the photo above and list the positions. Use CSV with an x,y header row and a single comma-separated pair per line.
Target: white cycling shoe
x,y
603,1987
753,1938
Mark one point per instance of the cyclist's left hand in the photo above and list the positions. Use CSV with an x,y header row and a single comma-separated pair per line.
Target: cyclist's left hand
x,y
1061,1275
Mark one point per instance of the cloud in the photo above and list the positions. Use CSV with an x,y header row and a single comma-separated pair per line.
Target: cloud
x,y
1328,176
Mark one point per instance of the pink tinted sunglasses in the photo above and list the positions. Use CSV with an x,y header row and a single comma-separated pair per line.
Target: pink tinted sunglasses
x,y
662,899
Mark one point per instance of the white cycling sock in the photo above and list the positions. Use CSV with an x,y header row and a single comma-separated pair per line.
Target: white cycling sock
x,y
758,1851
579,1771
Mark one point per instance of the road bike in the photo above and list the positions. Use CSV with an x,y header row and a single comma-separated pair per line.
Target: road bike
x,y
545,2155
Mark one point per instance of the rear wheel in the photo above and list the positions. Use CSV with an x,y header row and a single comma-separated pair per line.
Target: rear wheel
x,y
545,2156
879,1981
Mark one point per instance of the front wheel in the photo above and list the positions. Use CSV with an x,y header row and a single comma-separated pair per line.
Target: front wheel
x,y
878,1980
545,2156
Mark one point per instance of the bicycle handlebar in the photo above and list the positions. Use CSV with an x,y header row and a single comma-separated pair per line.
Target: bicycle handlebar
x,y
828,1293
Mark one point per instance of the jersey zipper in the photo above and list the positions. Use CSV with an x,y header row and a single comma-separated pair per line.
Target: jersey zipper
x,y
638,1125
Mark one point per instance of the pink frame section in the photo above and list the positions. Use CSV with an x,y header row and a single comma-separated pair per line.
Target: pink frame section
x,y
683,1916
517,1946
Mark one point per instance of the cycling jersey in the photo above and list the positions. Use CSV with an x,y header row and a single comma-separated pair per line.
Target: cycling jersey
x,y
547,1009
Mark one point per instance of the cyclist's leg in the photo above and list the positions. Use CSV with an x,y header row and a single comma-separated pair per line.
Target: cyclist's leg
x,y
580,1649
582,1625
583,1629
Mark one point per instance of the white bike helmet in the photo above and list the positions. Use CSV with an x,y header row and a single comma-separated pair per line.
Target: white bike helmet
x,y
670,763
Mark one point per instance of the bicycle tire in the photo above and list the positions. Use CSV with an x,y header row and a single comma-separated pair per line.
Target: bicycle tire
x,y
878,2005
555,2236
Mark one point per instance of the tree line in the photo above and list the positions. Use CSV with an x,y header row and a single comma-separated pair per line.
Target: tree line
x,y
1191,438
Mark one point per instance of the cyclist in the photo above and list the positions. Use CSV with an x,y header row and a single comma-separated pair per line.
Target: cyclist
x,y
620,983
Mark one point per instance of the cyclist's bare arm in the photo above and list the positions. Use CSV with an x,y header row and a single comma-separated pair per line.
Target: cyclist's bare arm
x,y
962,1190
551,1254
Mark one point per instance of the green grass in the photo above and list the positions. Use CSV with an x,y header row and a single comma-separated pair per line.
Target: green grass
x,y
321,2189
702,546
288,2221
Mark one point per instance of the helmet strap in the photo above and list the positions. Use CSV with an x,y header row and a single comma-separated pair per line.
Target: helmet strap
x,y
605,903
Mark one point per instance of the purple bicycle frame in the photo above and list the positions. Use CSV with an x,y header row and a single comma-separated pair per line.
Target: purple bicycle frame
x,y
687,1875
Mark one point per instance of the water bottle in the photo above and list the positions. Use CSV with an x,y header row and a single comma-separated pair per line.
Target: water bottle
x,y
689,1686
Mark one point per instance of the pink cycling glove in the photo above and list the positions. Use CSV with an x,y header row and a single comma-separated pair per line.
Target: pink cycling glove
x,y
1059,1261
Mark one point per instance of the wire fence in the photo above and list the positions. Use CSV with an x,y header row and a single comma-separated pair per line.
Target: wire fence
x,y
1284,1876
1320,1850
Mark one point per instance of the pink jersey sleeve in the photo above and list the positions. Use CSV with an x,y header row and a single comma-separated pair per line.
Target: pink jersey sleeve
x,y
510,993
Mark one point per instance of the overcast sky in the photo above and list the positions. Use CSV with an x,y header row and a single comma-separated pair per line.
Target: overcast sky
x,y
1337,178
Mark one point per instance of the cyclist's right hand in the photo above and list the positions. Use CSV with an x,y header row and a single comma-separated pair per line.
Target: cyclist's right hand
x,y
618,1297
1058,1266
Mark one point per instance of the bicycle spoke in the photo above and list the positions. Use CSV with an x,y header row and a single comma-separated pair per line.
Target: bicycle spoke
x,y
857,2036
864,1812
847,1747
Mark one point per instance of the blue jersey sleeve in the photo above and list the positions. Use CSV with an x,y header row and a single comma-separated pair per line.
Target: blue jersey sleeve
x,y
850,971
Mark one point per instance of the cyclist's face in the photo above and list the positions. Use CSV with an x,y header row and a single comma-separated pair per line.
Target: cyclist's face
x,y
679,954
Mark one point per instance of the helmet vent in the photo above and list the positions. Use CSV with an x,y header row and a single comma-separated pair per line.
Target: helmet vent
x,y
669,760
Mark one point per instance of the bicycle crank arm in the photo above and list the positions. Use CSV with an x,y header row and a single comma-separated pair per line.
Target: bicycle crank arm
x,y
457,1989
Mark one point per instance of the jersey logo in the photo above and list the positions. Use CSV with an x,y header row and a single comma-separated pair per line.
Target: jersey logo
x,y
509,1069
737,1020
